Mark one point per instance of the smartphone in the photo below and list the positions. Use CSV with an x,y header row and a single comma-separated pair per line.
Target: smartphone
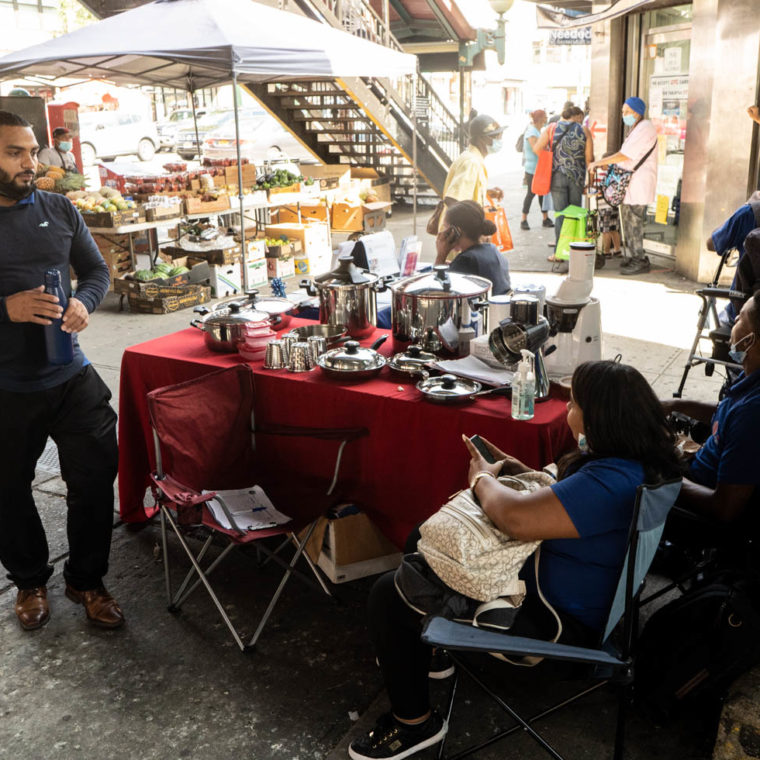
x,y
485,452
453,234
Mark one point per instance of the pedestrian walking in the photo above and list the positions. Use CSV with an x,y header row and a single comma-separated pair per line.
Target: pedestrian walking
x,y
637,154
530,159
43,394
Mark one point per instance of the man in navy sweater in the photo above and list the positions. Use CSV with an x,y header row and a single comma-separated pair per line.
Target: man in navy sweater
x,y
68,403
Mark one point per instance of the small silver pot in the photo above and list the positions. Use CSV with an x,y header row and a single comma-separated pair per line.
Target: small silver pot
x,y
449,389
412,364
352,362
224,328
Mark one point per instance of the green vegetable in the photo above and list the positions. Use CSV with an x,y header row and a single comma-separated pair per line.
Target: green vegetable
x,y
144,275
178,270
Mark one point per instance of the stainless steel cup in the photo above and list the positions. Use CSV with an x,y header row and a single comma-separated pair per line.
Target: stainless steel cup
x,y
317,346
300,359
275,355
288,340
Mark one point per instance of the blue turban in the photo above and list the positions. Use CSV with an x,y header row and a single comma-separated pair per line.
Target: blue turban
x,y
636,104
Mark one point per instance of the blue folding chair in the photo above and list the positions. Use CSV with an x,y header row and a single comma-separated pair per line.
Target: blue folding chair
x,y
610,662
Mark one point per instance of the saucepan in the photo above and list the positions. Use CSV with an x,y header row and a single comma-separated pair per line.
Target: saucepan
x,y
352,362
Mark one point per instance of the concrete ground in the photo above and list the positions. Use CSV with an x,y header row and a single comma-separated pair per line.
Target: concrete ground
x,y
174,685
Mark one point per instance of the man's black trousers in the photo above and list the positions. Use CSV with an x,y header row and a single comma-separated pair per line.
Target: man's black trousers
x,y
78,417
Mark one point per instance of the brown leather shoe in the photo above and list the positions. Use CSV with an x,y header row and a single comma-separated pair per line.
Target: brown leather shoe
x,y
32,607
101,608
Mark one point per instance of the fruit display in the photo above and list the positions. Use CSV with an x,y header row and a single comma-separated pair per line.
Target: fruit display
x,y
281,178
105,199
161,271
54,179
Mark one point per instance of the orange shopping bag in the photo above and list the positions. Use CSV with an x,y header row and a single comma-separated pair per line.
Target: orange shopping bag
x,y
502,239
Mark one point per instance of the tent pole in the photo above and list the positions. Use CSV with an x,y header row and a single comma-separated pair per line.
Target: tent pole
x,y
240,179
195,119
414,153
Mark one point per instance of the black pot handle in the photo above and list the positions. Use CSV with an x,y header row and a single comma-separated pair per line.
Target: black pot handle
x,y
308,286
379,342
202,310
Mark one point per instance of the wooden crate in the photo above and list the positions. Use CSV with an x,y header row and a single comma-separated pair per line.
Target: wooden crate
x,y
163,212
184,298
216,256
197,206
112,218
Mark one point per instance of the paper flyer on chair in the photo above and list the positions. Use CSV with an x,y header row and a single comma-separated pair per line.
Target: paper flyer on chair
x,y
250,509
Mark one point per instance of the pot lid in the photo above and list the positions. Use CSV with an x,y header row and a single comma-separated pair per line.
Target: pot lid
x,y
413,360
234,314
272,305
351,357
346,273
448,386
442,283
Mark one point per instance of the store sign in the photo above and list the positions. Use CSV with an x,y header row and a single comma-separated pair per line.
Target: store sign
x,y
668,96
571,36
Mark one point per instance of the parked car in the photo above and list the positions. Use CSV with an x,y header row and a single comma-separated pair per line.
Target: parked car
x,y
178,119
108,134
262,139
185,142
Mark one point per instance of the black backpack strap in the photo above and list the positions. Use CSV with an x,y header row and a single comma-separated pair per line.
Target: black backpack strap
x,y
646,156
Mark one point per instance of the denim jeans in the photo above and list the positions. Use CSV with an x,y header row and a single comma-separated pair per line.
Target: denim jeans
x,y
78,417
565,192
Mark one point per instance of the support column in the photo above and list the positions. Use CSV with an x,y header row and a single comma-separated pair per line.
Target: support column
x,y
718,173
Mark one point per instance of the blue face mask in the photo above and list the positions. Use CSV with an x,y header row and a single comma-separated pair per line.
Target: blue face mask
x,y
65,146
495,146
737,355
629,119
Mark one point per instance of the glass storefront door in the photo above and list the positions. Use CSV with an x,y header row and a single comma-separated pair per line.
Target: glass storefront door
x,y
664,84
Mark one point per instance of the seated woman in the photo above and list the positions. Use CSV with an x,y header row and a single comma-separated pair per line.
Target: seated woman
x,y
583,521
463,226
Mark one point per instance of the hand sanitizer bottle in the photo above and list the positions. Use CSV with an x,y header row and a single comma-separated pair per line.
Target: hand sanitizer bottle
x,y
524,388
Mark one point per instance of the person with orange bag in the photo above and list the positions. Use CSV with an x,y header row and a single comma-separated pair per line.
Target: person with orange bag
x,y
530,161
463,226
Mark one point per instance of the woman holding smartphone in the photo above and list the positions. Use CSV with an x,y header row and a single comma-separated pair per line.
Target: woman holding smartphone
x,y
463,227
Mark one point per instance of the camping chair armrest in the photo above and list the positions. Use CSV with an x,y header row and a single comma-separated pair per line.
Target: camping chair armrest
x,y
178,492
721,293
446,634
327,434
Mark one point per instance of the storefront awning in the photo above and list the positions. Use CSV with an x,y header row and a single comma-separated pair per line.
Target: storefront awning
x,y
565,15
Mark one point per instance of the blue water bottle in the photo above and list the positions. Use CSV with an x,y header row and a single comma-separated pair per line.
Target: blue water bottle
x,y
59,344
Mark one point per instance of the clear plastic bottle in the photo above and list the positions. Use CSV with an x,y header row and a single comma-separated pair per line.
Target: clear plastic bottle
x,y
524,388
58,344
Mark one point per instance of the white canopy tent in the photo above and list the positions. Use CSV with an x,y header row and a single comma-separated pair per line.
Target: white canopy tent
x,y
192,44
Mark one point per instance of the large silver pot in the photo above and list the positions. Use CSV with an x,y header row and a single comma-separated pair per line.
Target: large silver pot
x,y
347,296
224,328
433,308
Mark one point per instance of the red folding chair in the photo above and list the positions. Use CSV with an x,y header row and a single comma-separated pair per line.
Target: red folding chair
x,y
205,438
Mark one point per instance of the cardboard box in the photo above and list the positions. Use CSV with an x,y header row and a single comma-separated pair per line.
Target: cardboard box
x,y
183,298
249,175
314,237
328,176
347,217
309,212
351,547
255,249
289,249
119,264
225,279
216,256
277,267
112,218
199,268
197,206
373,219
163,212
254,273
312,265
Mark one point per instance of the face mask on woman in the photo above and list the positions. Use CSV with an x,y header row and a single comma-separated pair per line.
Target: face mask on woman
x,y
737,355
495,146
629,119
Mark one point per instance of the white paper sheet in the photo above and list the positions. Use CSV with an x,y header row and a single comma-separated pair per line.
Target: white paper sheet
x,y
475,369
250,508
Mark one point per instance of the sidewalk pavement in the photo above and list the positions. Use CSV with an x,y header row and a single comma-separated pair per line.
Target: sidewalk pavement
x,y
174,685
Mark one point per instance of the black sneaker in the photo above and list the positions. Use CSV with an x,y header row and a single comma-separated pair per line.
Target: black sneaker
x,y
638,266
391,740
441,665
547,223
524,225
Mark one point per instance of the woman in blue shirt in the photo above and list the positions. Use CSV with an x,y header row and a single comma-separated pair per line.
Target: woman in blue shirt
x,y
583,520
530,159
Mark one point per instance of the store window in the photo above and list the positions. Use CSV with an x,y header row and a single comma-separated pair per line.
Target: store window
x,y
664,84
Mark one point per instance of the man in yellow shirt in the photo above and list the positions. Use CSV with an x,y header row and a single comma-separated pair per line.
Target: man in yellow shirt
x,y
467,179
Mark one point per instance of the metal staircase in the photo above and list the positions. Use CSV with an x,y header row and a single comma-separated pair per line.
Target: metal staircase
x,y
364,121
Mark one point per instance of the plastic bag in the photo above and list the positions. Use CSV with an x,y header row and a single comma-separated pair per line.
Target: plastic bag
x,y
502,239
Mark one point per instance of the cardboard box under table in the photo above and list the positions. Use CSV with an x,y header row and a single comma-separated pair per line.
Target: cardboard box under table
x,y
351,547
174,299
314,236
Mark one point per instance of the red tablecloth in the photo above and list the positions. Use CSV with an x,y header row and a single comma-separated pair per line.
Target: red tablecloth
x,y
411,462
